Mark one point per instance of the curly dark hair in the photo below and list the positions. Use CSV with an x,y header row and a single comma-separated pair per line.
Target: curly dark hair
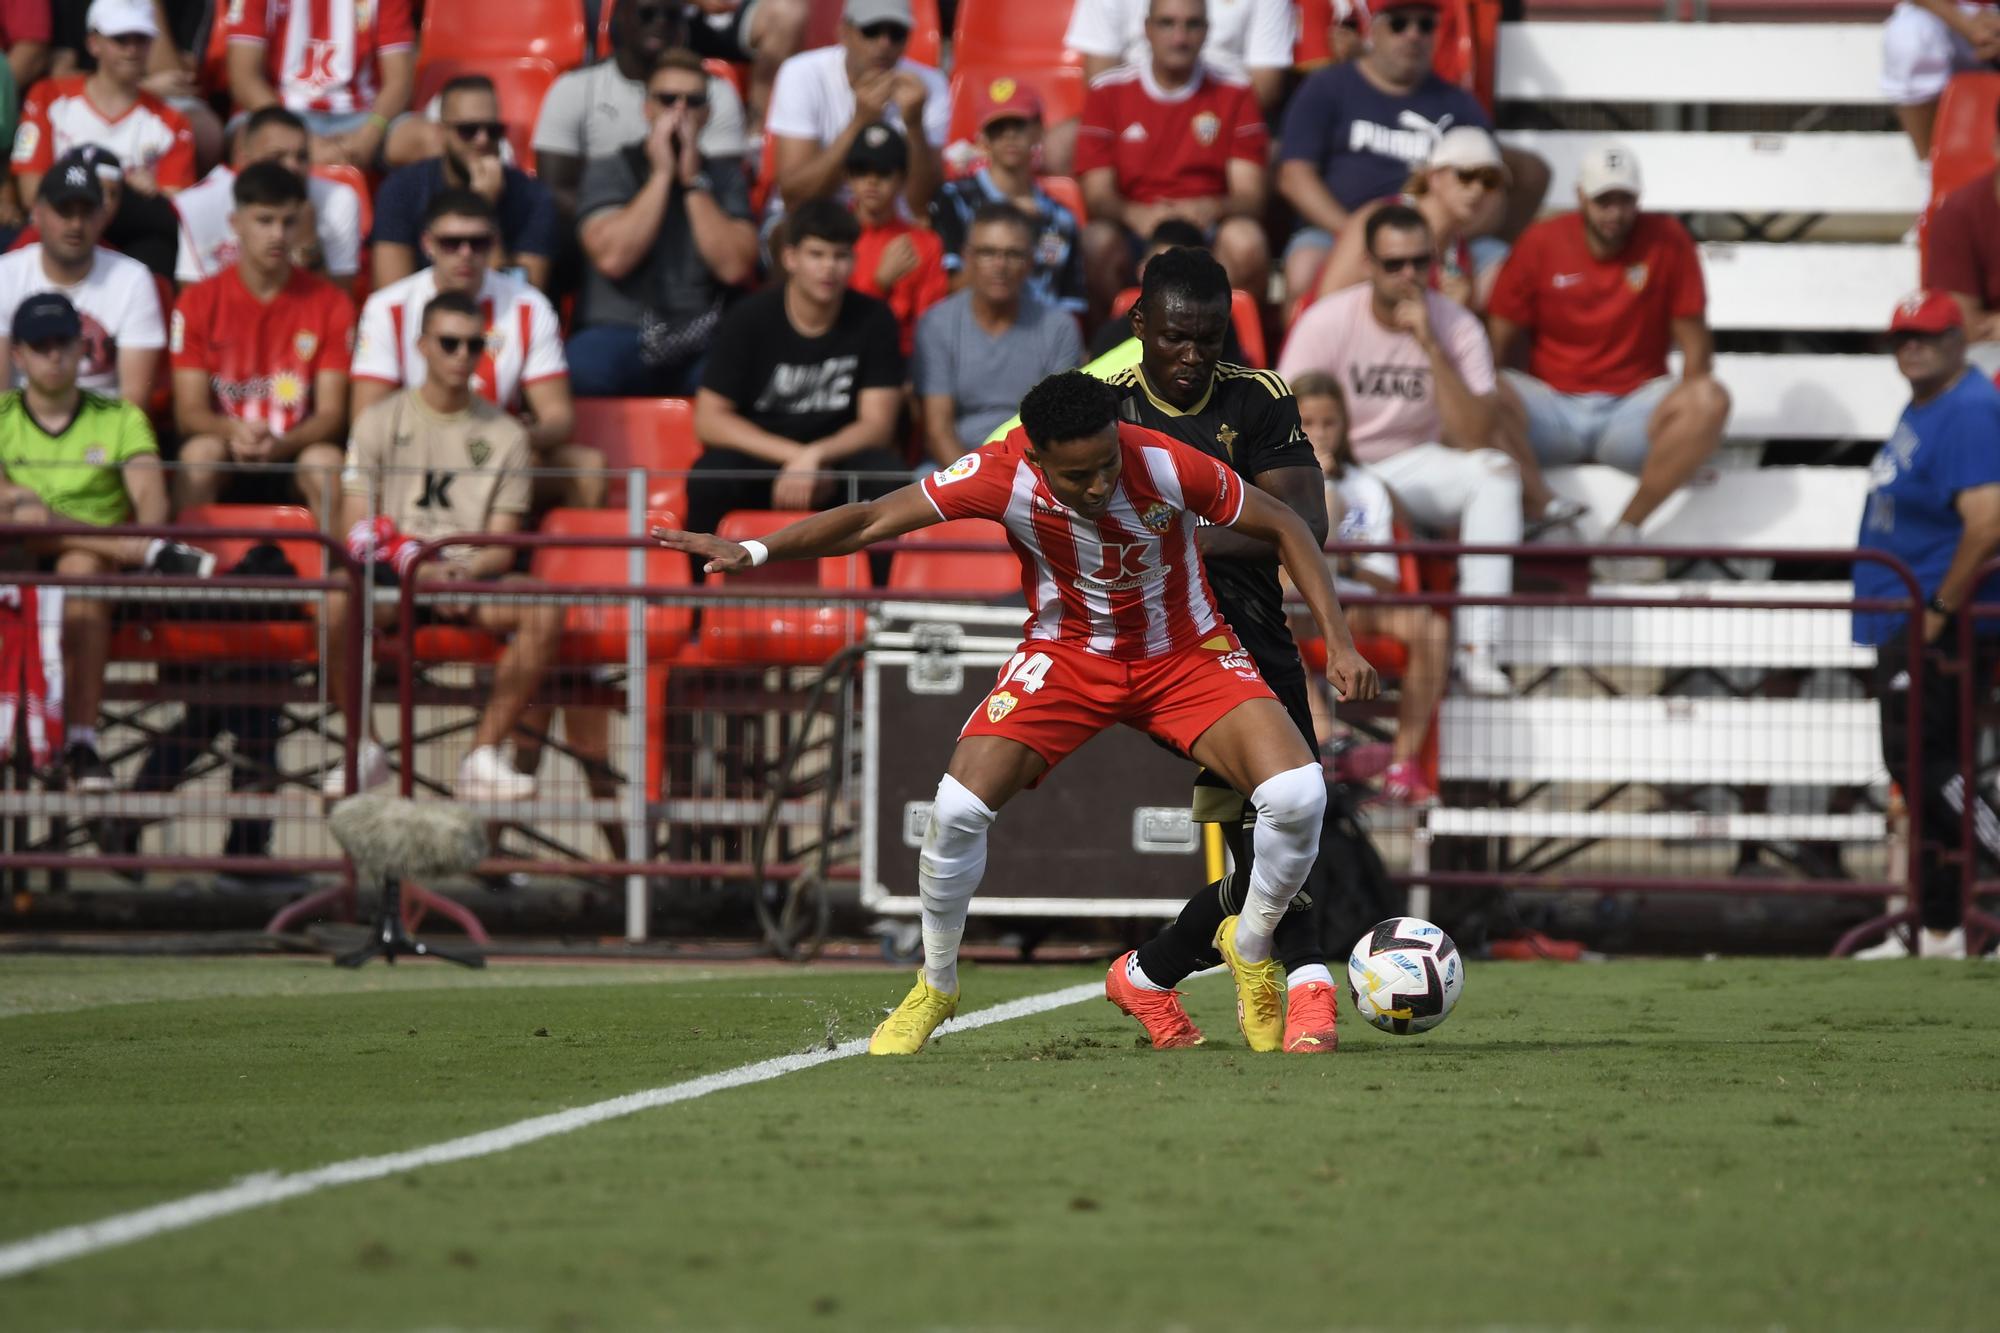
x,y
1068,406
1191,275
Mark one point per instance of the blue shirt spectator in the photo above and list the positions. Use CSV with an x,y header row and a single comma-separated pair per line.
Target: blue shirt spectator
x,y
1940,448
1364,142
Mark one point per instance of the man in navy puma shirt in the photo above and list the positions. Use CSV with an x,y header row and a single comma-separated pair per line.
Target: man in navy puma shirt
x,y
1354,132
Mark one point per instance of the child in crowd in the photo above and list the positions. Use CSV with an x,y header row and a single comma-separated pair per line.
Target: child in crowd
x,y
1364,514
895,261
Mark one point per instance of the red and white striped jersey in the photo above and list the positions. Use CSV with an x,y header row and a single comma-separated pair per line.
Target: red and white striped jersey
x,y
523,336
1126,584
321,55
59,116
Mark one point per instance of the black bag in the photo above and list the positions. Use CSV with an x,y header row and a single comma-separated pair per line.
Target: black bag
x,y
1362,893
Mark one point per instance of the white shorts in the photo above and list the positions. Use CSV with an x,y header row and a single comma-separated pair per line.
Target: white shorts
x,y
1920,54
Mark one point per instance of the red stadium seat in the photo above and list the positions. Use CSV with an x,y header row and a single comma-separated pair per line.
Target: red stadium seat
x,y
656,434
1059,85
594,632
786,634
521,82
1004,31
1242,312
251,638
981,574
1065,191
1962,141
474,31
354,179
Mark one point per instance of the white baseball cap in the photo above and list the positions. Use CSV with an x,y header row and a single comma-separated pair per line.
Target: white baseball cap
x,y
1467,147
1606,168
118,18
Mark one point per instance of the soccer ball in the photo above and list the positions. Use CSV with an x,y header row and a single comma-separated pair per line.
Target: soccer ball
x,y
1405,975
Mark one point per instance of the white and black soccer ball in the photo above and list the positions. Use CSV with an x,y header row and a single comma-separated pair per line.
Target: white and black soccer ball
x,y
1405,975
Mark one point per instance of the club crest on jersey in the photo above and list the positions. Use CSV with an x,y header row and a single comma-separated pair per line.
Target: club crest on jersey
x,y
1157,516
1206,126
959,471
479,451
305,342
1226,436
1000,705
1635,277
94,455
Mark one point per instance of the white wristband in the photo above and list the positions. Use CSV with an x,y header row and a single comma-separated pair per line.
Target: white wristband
x,y
759,552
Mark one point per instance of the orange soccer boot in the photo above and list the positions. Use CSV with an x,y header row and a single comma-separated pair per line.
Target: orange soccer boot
x,y
1311,1012
1158,1011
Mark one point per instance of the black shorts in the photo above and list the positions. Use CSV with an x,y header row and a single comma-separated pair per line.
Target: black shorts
x,y
724,38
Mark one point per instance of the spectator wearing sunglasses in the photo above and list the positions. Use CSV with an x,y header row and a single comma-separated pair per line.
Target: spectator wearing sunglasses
x,y
600,109
1460,190
824,99
667,233
1354,132
530,230
1422,408
520,367
1596,298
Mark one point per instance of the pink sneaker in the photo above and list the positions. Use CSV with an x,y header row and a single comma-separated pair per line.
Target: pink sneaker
x,y
1404,784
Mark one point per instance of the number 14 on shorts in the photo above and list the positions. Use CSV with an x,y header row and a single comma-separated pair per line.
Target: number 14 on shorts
x,y
1026,672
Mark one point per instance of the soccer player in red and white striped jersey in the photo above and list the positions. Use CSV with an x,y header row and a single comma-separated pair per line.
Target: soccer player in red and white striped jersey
x,y
346,67
1121,628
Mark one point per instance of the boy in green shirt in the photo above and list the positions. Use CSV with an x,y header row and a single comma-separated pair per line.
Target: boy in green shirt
x,y
67,456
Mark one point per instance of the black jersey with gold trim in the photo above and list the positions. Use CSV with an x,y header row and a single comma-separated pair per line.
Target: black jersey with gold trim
x,y
1249,419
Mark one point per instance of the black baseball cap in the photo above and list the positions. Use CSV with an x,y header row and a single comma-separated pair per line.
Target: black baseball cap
x,y
879,151
72,177
46,317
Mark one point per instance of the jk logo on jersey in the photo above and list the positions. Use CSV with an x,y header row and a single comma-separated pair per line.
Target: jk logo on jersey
x,y
437,491
1124,567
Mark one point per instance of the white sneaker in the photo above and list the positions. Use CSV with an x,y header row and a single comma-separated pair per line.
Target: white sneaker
x,y
1890,946
1479,674
371,769
1627,568
1942,943
485,775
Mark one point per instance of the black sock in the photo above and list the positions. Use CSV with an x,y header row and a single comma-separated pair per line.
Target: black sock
x,y
1298,942
1187,945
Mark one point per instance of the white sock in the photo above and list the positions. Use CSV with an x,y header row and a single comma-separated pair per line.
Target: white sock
x,y
1137,975
82,736
1305,976
1290,807
949,869
153,549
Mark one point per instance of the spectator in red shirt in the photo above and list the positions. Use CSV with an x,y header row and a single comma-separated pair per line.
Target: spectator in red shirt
x,y
24,35
1598,296
1962,254
1172,138
346,69
894,260
260,354
108,107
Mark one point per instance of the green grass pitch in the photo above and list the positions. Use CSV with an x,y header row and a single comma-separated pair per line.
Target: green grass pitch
x,y
1733,1144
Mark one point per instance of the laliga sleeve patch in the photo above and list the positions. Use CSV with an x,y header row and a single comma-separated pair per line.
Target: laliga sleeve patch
x,y
959,471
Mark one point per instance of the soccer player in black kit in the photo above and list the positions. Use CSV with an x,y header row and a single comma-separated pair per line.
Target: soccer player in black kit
x,y
1249,419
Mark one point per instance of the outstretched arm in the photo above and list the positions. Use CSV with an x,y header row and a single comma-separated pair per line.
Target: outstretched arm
x,y
836,532
1271,520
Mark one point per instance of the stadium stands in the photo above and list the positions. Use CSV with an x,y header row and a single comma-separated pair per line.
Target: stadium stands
x,y
956,574
656,434
256,634
594,631
788,632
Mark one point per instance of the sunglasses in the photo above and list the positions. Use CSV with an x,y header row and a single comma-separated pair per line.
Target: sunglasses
x,y
450,346
1425,24
1414,263
886,31
463,242
1480,176
671,100
472,130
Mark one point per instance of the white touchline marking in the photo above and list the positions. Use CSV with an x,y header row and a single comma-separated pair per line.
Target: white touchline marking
x,y
271,1187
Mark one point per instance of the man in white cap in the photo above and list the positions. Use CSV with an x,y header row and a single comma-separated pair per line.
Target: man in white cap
x,y
108,107
824,98
1598,297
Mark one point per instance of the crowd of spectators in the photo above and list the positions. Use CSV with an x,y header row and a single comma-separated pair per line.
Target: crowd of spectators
x,y
780,239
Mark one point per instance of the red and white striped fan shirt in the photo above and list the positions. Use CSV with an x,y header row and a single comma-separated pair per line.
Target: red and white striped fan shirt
x,y
321,55
523,337
1126,584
